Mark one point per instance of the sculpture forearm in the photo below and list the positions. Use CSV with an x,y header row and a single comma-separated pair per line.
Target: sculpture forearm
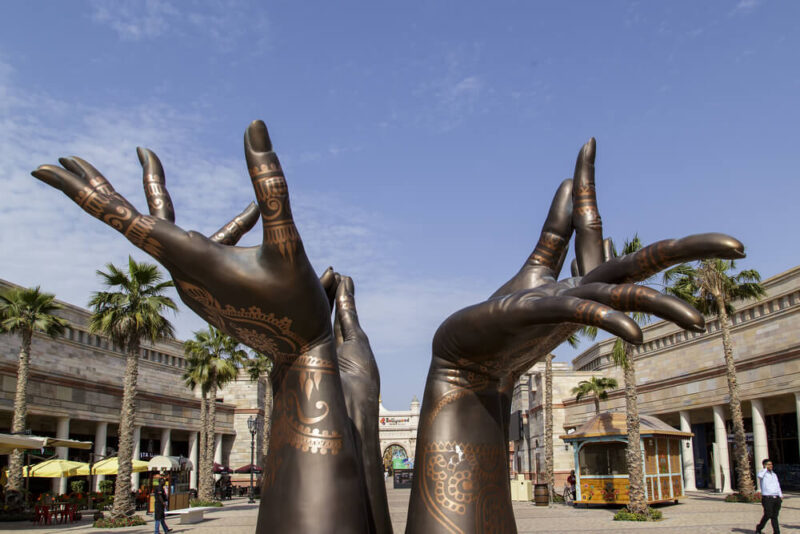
x,y
312,460
461,472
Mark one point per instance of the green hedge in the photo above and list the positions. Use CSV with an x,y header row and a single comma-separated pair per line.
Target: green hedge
x,y
132,521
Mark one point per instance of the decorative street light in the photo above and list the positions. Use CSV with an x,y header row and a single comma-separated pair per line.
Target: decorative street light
x,y
252,425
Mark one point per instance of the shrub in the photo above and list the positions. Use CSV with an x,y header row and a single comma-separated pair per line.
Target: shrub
x,y
77,486
132,521
106,486
557,498
740,497
194,503
626,515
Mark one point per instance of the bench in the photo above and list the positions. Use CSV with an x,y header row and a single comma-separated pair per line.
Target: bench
x,y
189,515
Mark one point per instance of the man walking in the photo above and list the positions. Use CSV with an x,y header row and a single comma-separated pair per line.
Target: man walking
x,y
771,497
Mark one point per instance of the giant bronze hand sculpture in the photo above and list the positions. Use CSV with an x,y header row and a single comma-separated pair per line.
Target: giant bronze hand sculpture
x,y
461,483
269,298
362,385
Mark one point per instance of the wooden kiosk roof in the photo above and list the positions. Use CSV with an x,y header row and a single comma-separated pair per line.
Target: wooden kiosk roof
x,y
614,424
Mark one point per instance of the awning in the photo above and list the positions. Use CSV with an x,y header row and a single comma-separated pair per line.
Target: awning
x,y
9,442
54,468
169,463
249,468
110,466
70,443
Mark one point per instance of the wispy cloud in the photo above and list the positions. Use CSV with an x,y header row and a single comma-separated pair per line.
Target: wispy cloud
x,y
223,21
746,6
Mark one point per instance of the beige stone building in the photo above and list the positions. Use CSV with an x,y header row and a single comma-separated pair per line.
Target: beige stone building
x,y
681,380
397,432
75,390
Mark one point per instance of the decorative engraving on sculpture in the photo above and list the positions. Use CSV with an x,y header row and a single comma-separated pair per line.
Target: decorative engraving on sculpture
x,y
548,250
229,318
461,478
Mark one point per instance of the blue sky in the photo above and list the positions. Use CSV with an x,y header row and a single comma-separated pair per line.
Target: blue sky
x,y
422,141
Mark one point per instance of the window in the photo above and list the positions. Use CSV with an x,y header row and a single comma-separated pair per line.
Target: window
x,y
603,459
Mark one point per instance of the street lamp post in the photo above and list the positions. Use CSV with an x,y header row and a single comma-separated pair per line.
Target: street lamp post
x,y
252,425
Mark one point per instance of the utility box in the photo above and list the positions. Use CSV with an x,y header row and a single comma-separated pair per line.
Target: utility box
x,y
521,489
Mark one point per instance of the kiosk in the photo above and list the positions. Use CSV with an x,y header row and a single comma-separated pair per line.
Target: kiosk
x,y
601,471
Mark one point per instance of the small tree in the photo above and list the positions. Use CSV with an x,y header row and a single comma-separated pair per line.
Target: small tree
x,y
129,315
215,358
25,311
597,388
711,286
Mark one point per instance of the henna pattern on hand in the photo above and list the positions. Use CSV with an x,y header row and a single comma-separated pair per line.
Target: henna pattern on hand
x,y
548,250
272,194
463,478
269,330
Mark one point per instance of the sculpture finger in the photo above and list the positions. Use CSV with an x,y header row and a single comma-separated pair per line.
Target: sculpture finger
x,y
656,257
551,248
585,216
608,249
635,298
94,194
569,309
232,232
346,310
281,238
328,281
573,267
91,176
155,189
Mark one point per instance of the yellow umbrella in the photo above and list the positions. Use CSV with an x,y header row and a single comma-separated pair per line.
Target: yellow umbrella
x,y
53,468
109,466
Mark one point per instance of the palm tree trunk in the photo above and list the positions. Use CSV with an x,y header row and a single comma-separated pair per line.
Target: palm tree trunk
x,y
548,424
20,410
744,478
596,405
201,456
210,441
633,453
267,429
123,499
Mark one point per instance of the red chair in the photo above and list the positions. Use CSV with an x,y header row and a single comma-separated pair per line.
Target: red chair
x,y
41,514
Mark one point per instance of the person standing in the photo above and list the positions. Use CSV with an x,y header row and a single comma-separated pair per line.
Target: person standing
x,y
771,497
160,507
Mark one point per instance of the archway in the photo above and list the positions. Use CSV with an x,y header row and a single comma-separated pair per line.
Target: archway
x,y
394,455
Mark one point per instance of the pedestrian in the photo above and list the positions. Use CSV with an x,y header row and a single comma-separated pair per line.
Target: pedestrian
x,y
771,497
161,505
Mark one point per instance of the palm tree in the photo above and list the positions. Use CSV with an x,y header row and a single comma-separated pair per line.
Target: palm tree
x,y
622,356
257,366
216,357
597,388
196,375
130,314
25,311
548,424
711,286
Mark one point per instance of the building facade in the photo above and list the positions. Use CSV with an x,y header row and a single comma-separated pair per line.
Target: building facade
x,y
75,391
397,432
681,379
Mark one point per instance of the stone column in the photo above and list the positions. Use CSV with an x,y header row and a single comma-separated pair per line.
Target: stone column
x,y
797,412
218,452
100,437
193,457
721,440
62,431
760,451
687,451
166,441
137,448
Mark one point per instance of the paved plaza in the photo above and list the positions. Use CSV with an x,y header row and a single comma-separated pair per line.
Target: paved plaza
x,y
700,513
